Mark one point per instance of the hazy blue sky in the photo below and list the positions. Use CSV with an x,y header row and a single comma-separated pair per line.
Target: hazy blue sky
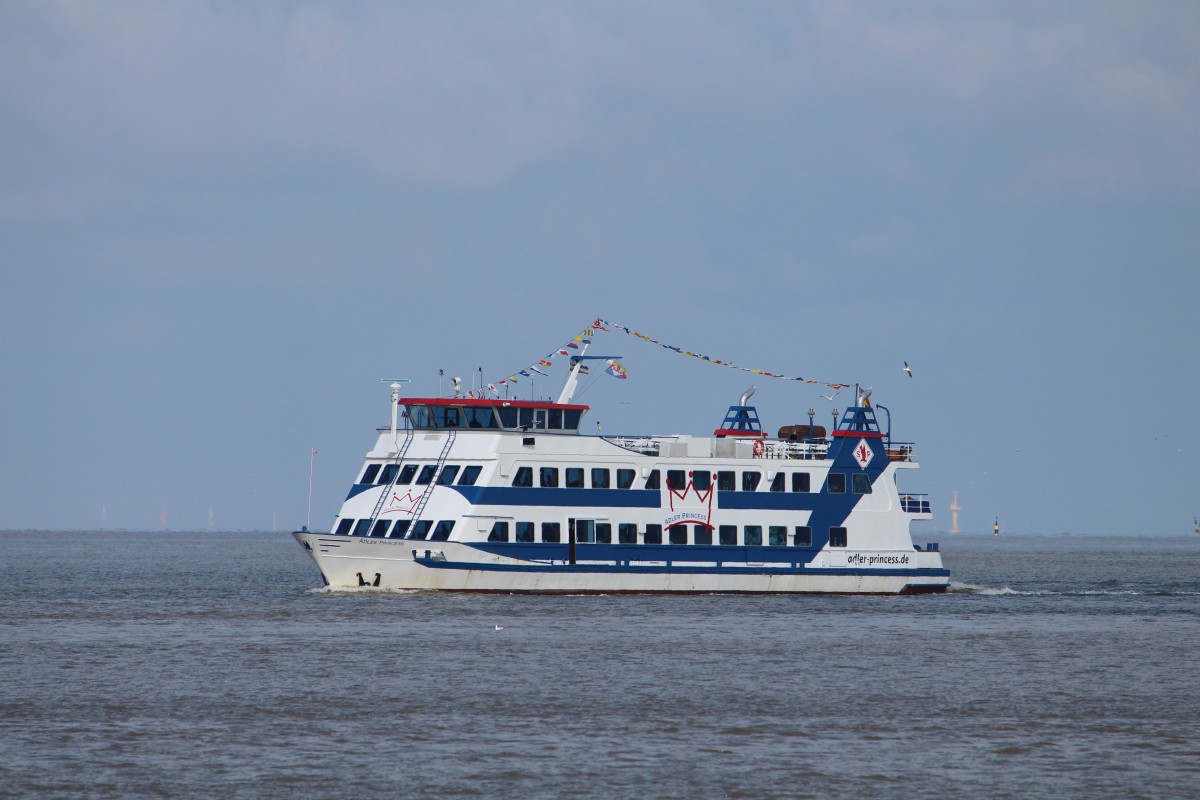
x,y
224,223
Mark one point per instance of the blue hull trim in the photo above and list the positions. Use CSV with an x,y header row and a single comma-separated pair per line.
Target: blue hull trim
x,y
673,570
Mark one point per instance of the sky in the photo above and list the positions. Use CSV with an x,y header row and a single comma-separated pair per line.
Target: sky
x,y
224,224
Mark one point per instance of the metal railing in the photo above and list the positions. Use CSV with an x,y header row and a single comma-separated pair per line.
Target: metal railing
x,y
915,503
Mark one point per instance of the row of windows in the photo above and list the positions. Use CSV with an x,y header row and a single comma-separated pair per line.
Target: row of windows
x,y
677,479
384,473
591,532
398,529
506,417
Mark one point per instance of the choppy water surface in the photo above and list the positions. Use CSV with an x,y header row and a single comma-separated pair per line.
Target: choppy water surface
x,y
171,664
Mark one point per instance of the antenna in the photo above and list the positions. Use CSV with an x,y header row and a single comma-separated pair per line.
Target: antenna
x,y
954,509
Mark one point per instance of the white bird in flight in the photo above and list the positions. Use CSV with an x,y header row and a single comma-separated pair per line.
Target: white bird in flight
x,y
499,627
906,369
831,396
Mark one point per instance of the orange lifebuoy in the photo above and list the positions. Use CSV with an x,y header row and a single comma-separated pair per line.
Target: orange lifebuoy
x,y
759,448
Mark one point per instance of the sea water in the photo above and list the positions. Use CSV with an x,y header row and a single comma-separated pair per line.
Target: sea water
x,y
212,664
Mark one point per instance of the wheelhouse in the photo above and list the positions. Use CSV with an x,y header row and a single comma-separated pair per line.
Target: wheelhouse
x,y
461,413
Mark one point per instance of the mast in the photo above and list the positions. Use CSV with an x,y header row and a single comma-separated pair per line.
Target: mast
x,y
568,390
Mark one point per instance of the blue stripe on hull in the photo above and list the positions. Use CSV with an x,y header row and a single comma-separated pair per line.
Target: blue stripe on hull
x,y
674,570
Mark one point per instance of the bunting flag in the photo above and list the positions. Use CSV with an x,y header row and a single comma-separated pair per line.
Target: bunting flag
x,y
616,370
601,324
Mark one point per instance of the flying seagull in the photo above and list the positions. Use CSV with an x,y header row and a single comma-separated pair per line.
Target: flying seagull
x,y
831,396
906,369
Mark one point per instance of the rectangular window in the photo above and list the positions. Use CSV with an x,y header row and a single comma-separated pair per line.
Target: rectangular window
x,y
654,534
443,530
551,532
344,526
600,478
837,537
753,534
448,474
702,479
627,533
676,479
803,536
678,534
389,473
702,534
725,481
777,484
361,527
727,534
585,531
524,531
524,477
573,477
652,480
426,474
380,527
556,419
406,474
750,481
470,475
420,530
548,477
604,532
625,478
479,418
800,482
777,535
860,482
401,528
369,474
837,483
499,532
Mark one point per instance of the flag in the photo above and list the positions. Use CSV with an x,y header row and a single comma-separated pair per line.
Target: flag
x,y
563,352
616,370
572,345
583,369
525,373
492,388
545,363
538,371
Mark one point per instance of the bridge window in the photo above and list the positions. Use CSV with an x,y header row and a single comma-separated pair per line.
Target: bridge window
x,y
401,528
777,535
652,480
524,531
676,479
574,477
654,534
571,418
600,478
604,532
551,532
548,477
750,481
361,527
508,417
389,473
678,534
801,482
627,533
443,530
702,534
727,534
777,483
803,536
524,477
556,419
837,537
470,475
499,532
753,534
725,481
625,478
369,474
480,417
406,474
860,482
702,480
380,527
837,483
420,530
449,473
344,526
426,474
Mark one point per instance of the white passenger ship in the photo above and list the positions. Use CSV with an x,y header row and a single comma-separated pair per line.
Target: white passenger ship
x,y
494,495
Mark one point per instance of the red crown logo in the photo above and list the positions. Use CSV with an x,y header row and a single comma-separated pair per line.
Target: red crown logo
x,y
403,505
682,511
